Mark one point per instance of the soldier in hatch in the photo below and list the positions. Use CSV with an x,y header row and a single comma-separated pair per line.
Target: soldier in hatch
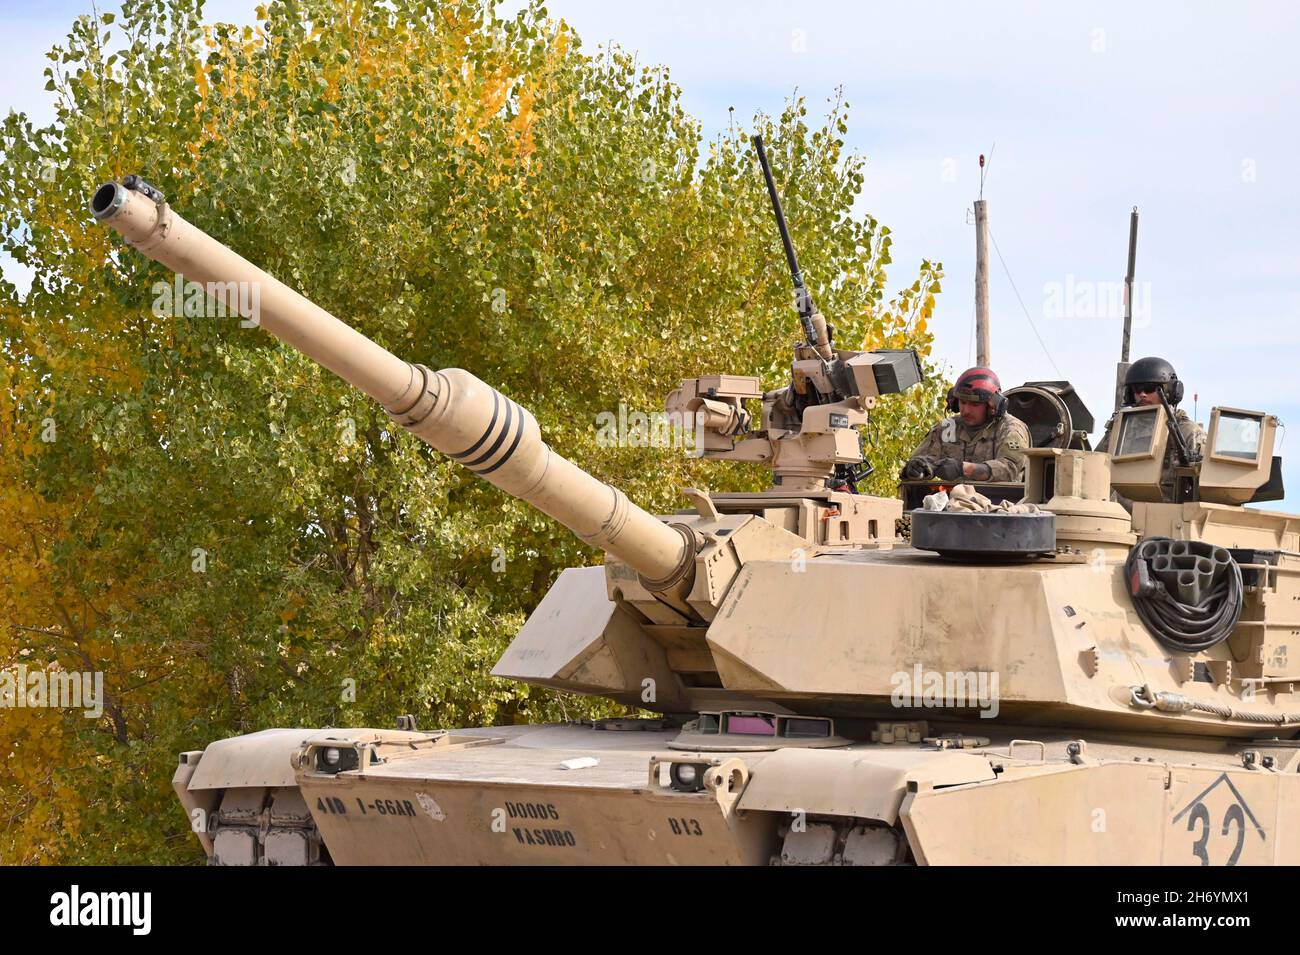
x,y
1143,382
980,443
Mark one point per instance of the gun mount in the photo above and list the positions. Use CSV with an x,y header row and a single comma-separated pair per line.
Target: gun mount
x,y
805,443
808,433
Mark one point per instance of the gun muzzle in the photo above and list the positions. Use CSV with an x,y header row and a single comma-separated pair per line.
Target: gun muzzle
x,y
451,410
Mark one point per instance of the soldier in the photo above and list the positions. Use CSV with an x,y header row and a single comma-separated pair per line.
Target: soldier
x,y
981,442
1144,381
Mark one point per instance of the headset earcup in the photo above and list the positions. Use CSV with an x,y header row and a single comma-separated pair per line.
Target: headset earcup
x,y
1175,391
1000,406
952,400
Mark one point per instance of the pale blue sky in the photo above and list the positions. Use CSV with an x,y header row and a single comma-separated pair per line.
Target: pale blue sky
x,y
1188,111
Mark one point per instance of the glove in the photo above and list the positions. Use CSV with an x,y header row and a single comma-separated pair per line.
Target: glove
x,y
918,469
949,469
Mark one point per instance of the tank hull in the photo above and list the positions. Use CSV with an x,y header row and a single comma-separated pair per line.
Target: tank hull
x,y
496,796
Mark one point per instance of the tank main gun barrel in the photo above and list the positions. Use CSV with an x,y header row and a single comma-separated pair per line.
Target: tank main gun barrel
x,y
451,410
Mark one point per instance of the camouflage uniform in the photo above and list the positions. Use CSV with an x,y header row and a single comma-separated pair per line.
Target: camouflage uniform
x,y
1000,443
1193,436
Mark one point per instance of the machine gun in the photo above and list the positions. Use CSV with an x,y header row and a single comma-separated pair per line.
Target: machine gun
x,y
816,331
818,335
808,434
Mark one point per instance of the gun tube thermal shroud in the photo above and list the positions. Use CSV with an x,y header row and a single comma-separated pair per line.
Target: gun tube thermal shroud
x,y
451,410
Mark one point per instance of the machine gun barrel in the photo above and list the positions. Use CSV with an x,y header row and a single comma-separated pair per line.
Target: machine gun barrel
x,y
803,298
451,410
1184,454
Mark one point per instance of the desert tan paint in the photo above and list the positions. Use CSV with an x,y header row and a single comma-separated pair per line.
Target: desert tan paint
x,y
1112,813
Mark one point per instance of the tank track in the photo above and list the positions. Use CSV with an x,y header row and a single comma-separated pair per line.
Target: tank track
x,y
834,840
265,826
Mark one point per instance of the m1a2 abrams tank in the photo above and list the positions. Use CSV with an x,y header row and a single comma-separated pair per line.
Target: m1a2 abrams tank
x,y
1121,692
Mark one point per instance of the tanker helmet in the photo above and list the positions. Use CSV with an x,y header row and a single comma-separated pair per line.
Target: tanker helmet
x,y
1152,371
978,384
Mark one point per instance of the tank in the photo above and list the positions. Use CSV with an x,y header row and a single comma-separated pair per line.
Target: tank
x,y
822,693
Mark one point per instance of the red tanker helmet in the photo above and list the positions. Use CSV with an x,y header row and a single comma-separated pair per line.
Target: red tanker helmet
x,y
978,384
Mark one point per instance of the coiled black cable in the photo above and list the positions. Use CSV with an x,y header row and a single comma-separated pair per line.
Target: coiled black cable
x,y
1181,627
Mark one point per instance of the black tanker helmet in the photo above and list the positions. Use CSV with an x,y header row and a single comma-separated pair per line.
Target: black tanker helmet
x,y
1152,371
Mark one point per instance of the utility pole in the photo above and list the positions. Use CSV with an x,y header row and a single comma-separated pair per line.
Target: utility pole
x,y
982,358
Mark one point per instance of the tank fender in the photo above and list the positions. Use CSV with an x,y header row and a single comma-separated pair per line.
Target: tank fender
x,y
258,759
854,783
